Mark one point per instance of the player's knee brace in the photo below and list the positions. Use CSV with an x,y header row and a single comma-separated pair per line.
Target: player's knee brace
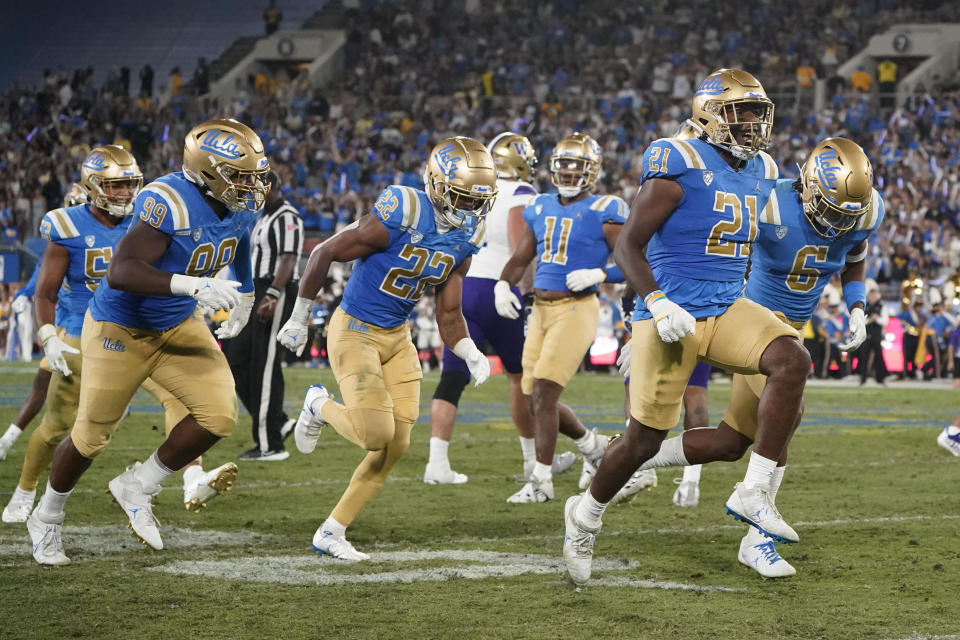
x,y
451,386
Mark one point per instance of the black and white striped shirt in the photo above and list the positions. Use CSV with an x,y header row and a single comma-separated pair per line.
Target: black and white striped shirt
x,y
274,234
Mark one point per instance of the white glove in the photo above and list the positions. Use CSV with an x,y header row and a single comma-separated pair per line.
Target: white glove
x,y
237,320
212,293
623,360
20,304
508,305
54,348
580,279
293,334
477,362
671,320
858,330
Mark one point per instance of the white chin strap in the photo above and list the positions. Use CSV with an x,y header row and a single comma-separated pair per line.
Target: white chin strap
x,y
569,192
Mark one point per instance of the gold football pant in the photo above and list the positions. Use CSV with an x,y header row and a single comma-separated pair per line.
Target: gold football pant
x,y
378,373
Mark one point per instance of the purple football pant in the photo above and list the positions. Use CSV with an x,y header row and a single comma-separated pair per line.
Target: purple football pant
x,y
484,323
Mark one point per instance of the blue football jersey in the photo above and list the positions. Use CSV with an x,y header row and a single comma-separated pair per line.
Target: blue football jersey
x,y
570,237
385,286
201,245
792,263
90,247
699,256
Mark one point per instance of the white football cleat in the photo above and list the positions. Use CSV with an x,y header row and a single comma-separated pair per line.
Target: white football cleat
x,y
19,507
136,503
949,442
577,543
561,462
752,504
210,485
533,491
325,543
47,543
440,474
759,552
646,479
687,494
309,424
591,461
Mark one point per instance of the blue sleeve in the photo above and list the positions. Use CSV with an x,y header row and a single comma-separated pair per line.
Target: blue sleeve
x,y
662,160
614,274
30,288
243,264
56,226
615,211
153,208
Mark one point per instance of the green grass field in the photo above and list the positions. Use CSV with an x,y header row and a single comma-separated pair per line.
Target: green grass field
x,y
873,499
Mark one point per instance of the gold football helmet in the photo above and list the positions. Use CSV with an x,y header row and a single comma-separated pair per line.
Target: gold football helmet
x,y
836,186
575,164
513,155
227,158
461,181
110,179
74,196
732,108
687,130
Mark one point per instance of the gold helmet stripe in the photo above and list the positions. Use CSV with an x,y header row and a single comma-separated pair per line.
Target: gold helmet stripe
x,y
770,166
688,153
869,221
411,208
479,233
181,219
65,227
770,214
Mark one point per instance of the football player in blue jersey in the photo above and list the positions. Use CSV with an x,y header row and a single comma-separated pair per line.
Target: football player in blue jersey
x,y
571,233
685,249
410,241
142,323
515,159
810,230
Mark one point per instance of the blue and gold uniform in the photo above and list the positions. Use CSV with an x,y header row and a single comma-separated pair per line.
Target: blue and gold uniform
x,y
569,237
699,258
162,337
791,266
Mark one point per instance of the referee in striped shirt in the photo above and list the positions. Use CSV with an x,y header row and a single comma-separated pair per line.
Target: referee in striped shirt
x,y
276,241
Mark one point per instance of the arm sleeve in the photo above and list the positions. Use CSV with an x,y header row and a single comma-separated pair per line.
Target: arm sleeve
x,y
662,160
30,288
153,207
243,264
395,212
614,274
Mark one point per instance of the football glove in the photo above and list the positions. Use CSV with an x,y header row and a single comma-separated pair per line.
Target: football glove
x,y
580,279
293,334
671,320
54,348
507,303
477,363
20,304
623,360
857,331
211,293
237,320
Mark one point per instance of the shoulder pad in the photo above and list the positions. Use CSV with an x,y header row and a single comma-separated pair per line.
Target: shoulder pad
x,y
670,158
398,207
611,208
163,207
58,225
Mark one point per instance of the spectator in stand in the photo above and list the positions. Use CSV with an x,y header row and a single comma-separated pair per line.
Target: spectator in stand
x,y
861,80
271,18
887,82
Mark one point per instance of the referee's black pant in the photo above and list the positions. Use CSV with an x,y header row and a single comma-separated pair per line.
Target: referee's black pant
x,y
254,358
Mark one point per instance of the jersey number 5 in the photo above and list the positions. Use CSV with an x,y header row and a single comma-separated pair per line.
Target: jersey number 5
x,y
421,259
803,276
723,237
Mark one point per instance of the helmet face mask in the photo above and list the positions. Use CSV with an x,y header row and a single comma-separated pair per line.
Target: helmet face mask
x,y
461,181
226,157
110,180
575,164
732,109
513,156
836,186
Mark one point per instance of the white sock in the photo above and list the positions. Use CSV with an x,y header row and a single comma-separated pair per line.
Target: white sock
x,y
192,474
775,481
670,455
438,451
588,442
12,433
543,472
759,470
951,430
51,505
23,496
151,473
589,511
691,473
528,446
334,527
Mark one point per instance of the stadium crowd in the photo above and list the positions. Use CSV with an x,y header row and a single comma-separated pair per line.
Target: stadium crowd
x,y
565,66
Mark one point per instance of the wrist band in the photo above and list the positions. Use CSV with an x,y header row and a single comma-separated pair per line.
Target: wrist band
x,y
854,292
273,292
654,297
